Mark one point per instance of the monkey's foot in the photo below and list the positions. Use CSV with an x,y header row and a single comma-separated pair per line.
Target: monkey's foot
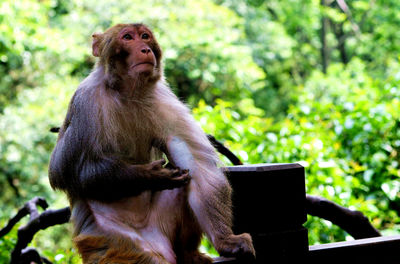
x,y
240,246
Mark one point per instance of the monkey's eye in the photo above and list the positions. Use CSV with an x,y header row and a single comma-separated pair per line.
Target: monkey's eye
x,y
145,36
127,37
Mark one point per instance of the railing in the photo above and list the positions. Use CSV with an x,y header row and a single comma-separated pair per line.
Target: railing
x,y
270,203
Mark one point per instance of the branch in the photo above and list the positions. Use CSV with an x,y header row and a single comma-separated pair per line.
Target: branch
x,y
10,181
345,8
29,255
37,222
30,208
353,222
224,151
324,46
55,129
341,39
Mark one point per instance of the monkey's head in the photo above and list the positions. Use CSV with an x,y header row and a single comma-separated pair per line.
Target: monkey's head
x,y
129,53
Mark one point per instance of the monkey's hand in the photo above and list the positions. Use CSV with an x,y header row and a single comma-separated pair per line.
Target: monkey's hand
x,y
166,177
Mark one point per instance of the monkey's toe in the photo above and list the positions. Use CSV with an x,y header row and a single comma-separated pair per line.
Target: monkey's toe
x,y
240,246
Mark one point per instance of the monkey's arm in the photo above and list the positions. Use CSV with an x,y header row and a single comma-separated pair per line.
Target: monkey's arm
x,y
76,169
107,178
111,179
179,154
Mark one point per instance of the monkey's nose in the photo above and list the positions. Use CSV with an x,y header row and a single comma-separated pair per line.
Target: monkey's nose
x,y
145,50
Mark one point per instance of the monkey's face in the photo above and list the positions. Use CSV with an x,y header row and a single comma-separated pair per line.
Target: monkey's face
x,y
129,50
135,47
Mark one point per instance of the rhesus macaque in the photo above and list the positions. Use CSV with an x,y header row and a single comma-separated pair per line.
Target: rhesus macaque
x,y
127,206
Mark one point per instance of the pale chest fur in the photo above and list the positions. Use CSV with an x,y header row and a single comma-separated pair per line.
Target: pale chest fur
x,y
130,130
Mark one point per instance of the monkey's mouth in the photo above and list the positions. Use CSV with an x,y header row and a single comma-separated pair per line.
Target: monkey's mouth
x,y
143,63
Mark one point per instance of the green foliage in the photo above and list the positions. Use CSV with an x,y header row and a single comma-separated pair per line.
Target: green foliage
x,y
345,131
251,70
7,244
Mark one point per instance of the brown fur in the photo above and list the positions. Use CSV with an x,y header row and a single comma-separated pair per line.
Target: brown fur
x,y
113,122
101,250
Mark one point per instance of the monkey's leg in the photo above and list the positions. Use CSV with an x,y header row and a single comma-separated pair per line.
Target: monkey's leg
x,y
187,246
100,241
210,200
213,211
96,249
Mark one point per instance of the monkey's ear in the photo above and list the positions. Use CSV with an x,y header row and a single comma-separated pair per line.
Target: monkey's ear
x,y
95,44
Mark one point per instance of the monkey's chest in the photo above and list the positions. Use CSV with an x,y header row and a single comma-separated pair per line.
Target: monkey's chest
x,y
137,152
137,147
131,135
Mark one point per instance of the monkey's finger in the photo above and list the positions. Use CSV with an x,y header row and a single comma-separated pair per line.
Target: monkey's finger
x,y
175,173
185,172
184,178
178,182
180,172
158,163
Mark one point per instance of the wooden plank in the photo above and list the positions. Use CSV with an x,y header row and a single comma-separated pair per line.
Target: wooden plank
x,y
290,246
264,167
370,250
348,245
281,247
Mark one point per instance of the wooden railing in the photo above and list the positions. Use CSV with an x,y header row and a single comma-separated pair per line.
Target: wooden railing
x,y
269,202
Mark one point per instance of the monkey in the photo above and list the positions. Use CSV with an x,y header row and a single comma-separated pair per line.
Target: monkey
x,y
128,205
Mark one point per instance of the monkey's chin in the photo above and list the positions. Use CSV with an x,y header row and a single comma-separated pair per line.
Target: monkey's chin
x,y
143,68
143,79
142,75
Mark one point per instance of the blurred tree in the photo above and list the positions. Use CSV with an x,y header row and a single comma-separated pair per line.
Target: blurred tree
x,y
254,73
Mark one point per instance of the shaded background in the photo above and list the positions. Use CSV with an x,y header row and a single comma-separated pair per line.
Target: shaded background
x,y
311,81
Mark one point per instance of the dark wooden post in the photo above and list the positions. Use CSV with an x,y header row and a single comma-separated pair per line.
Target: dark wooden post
x,y
269,203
